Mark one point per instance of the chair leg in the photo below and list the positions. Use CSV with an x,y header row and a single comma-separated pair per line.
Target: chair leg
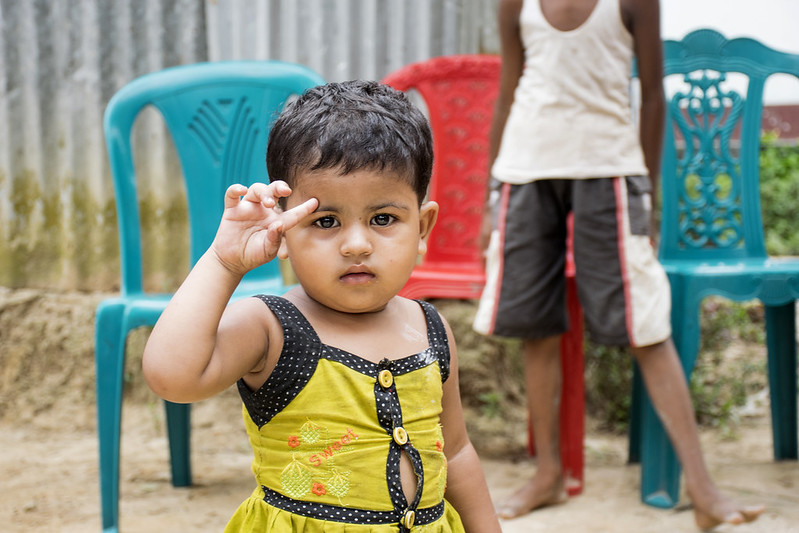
x,y
572,410
178,423
110,361
636,416
781,344
660,468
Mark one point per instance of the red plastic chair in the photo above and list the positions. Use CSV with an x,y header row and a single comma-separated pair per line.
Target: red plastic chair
x,y
459,92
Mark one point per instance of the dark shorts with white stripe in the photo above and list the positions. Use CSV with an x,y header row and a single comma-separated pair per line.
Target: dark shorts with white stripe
x,y
622,287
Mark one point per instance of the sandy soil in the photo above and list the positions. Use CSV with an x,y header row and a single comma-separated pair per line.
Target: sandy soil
x,y
48,458
49,472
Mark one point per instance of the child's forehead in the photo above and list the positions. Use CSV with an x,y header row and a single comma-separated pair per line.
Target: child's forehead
x,y
311,179
361,189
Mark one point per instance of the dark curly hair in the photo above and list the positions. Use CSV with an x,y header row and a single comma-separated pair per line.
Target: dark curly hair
x,y
352,126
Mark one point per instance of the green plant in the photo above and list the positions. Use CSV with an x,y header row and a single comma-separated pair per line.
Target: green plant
x,y
608,378
779,191
732,362
731,366
491,404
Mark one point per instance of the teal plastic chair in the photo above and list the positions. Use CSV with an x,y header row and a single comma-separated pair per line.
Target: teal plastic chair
x,y
219,116
711,239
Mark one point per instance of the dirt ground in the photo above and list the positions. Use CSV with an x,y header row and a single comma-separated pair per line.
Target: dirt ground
x,y
48,448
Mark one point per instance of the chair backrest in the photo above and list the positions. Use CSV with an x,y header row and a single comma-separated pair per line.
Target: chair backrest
x,y
219,116
459,92
710,170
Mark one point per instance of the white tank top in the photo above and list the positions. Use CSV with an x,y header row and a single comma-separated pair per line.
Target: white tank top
x,y
571,116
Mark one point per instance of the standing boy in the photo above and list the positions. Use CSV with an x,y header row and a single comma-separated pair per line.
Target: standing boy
x,y
564,141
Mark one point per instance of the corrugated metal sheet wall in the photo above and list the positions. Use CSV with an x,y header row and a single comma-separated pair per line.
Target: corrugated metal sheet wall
x,y
61,60
347,39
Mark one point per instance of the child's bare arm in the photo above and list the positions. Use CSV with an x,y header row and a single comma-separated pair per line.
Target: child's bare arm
x,y
200,346
466,490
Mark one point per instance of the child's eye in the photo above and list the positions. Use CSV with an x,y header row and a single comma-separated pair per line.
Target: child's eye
x,y
382,220
326,222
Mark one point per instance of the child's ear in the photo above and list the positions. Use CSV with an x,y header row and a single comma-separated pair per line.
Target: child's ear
x,y
428,214
283,250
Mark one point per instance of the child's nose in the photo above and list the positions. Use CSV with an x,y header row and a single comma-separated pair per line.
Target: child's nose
x,y
356,241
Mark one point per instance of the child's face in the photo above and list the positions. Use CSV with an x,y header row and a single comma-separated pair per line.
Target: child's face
x,y
357,250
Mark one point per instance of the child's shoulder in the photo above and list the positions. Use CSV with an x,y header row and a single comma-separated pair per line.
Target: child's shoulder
x,y
264,313
426,315
428,310
417,309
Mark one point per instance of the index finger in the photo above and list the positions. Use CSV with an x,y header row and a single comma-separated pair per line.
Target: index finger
x,y
291,217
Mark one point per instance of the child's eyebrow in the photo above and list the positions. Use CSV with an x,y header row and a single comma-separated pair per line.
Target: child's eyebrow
x,y
386,205
376,207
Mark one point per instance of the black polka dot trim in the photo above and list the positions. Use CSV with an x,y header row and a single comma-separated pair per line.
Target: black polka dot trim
x,y
298,360
437,338
438,350
389,415
301,351
348,515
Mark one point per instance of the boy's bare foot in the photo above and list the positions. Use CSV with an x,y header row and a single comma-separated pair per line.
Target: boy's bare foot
x,y
721,510
534,494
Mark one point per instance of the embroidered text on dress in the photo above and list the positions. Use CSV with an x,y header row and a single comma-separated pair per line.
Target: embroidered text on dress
x,y
316,459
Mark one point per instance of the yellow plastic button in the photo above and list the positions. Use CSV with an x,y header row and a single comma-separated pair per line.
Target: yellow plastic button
x,y
408,519
400,435
385,378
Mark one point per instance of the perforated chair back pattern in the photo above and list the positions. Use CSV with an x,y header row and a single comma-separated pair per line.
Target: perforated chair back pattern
x,y
711,199
459,93
218,116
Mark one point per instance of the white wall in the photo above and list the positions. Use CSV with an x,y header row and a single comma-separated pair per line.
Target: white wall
x,y
775,23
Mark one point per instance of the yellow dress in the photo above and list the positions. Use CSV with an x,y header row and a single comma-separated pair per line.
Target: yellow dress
x,y
328,429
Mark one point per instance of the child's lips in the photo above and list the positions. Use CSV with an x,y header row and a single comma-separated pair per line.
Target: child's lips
x,y
357,275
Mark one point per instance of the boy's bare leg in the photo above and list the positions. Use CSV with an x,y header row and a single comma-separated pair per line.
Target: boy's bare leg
x,y
543,383
665,381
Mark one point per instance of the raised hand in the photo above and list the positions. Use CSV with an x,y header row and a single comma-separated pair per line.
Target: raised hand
x,y
252,225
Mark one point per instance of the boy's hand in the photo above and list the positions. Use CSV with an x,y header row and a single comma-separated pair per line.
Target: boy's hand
x,y
252,225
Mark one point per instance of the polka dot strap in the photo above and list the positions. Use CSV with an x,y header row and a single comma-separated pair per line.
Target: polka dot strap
x,y
437,337
297,363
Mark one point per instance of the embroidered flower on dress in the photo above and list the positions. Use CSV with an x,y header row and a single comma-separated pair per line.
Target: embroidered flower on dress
x,y
318,489
439,446
294,441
